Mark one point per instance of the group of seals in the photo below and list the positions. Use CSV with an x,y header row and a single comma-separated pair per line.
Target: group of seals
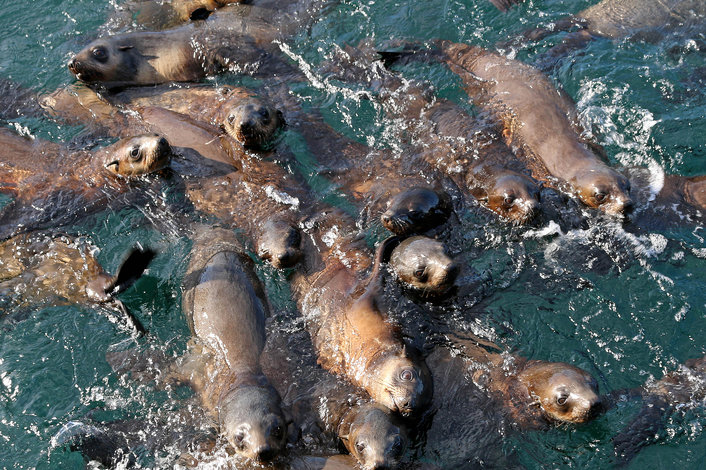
x,y
350,331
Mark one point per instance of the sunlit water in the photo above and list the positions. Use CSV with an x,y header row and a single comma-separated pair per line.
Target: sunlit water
x,y
622,306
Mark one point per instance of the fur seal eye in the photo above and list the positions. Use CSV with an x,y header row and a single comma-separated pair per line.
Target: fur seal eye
x,y
360,447
508,200
100,53
277,432
135,154
265,114
231,119
407,375
419,274
600,196
239,439
561,399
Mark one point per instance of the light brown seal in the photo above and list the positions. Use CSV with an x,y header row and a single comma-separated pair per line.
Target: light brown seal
x,y
225,306
64,182
350,333
240,38
534,393
422,264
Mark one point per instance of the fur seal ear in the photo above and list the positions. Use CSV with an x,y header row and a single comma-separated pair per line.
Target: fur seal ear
x,y
124,48
114,162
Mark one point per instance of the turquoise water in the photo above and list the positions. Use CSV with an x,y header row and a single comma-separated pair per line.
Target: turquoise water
x,y
641,317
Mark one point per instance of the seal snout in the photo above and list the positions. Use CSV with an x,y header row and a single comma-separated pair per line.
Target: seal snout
x,y
163,147
264,453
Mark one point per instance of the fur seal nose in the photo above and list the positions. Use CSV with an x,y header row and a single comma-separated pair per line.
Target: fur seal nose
x,y
73,66
163,146
264,453
452,273
287,259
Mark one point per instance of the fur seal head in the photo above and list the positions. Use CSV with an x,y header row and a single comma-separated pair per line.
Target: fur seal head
x,y
253,123
106,60
564,392
137,155
511,195
422,263
374,438
279,242
604,188
405,385
416,210
251,419
695,189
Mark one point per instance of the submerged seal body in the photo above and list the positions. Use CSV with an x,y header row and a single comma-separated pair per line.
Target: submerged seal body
x,y
540,121
444,138
225,305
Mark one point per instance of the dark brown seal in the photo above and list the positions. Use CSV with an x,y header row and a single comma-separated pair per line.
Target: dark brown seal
x,y
416,210
422,264
225,306
64,182
321,404
350,333
681,389
167,14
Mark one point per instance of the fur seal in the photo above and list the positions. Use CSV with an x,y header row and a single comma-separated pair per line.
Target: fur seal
x,y
614,19
39,269
167,14
350,333
225,307
40,173
241,38
540,121
422,264
534,393
683,388
321,404
416,210
445,137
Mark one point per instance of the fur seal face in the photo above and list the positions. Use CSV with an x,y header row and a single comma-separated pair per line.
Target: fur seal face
x,y
423,264
511,195
405,387
138,155
253,123
251,419
416,210
565,393
374,439
279,243
603,188
695,189
105,60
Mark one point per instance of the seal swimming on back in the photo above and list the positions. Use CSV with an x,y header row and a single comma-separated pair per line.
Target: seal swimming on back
x,y
64,182
225,307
